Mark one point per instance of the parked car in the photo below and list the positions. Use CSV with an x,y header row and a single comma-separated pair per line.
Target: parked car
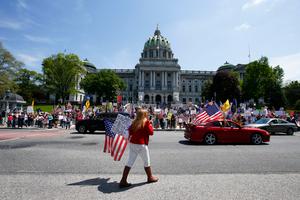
x,y
96,123
274,125
225,131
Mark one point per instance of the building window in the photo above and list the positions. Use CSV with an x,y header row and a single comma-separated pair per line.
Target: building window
x,y
147,74
184,100
164,54
196,88
130,88
169,74
183,88
157,74
151,54
169,85
190,88
147,84
190,100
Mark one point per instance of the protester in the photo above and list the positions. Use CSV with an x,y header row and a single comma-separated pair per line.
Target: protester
x,y
139,133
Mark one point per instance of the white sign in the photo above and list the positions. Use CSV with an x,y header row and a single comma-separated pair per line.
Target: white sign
x,y
30,109
121,125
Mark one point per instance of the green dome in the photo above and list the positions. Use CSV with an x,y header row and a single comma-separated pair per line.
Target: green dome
x,y
226,67
157,41
90,67
157,47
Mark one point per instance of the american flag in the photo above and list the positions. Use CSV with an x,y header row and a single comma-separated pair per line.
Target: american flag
x,y
115,144
211,112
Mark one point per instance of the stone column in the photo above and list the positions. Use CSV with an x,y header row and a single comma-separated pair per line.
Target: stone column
x,y
177,76
154,74
143,78
174,81
140,78
166,79
151,83
162,79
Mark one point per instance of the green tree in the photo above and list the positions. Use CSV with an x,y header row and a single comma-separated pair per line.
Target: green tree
x,y
61,74
29,84
263,81
292,92
207,91
8,68
105,83
226,86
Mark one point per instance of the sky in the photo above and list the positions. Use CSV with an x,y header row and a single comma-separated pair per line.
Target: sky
x,y
111,33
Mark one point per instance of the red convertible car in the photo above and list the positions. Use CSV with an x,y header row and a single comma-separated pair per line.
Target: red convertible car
x,y
225,131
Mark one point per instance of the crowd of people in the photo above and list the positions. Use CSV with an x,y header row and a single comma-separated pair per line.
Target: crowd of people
x,y
39,119
161,117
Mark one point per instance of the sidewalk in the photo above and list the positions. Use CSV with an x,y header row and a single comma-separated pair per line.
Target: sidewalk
x,y
36,186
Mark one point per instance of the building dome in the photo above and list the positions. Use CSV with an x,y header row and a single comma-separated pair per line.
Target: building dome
x,y
226,67
89,66
157,47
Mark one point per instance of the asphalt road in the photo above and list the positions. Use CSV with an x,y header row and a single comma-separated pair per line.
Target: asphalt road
x,y
73,166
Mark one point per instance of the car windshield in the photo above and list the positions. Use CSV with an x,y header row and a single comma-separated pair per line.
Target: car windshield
x,y
262,121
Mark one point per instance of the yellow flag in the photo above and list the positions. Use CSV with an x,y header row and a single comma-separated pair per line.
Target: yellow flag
x,y
87,104
225,106
32,103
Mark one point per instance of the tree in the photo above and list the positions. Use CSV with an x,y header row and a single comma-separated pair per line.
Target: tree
x,y
292,92
226,86
207,91
8,68
61,73
29,84
105,83
263,81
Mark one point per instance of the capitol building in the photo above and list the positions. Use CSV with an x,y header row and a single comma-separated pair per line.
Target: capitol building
x,y
158,79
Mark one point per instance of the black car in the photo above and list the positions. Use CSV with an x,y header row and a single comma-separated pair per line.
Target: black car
x,y
273,125
96,123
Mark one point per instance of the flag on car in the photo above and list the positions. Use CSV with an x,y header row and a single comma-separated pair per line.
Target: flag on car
x,y
115,144
226,106
210,112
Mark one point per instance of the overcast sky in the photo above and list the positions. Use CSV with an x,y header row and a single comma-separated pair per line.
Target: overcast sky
x,y
111,34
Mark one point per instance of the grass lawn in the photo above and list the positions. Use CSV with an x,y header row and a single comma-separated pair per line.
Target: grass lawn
x,y
44,108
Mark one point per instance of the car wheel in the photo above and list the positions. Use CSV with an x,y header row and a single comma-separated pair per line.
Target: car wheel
x,y
82,129
256,138
210,138
290,131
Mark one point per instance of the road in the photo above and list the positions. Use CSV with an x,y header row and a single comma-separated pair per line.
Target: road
x,y
68,165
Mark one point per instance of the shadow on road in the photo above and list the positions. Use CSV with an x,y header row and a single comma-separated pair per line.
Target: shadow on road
x,y
105,186
186,142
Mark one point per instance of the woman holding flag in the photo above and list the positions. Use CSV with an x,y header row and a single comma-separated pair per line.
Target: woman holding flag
x,y
139,132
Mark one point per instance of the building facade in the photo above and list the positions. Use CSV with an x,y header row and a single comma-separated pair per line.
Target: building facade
x,y
158,78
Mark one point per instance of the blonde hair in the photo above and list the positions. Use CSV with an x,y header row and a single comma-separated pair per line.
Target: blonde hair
x,y
140,120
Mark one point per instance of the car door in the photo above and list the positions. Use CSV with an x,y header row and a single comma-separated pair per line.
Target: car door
x,y
283,125
233,133
273,126
225,134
